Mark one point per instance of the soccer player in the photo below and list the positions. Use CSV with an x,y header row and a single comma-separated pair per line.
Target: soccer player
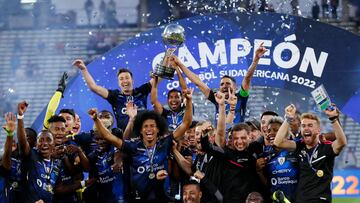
x,y
5,166
228,87
316,156
119,98
41,169
278,167
148,154
175,113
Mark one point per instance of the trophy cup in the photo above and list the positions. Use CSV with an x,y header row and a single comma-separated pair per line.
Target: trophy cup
x,y
173,37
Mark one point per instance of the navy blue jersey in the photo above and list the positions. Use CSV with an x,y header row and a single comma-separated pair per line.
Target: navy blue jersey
x,y
37,185
282,171
119,100
110,185
87,142
240,109
66,178
140,164
14,183
174,119
4,175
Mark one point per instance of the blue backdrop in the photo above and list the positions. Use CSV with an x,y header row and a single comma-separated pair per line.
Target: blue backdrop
x,y
302,55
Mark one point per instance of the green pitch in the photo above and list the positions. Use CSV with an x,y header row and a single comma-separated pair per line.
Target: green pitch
x,y
346,200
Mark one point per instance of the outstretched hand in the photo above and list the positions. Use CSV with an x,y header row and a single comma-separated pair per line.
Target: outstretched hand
x,y
232,100
22,106
260,51
290,111
79,64
332,111
62,82
131,110
188,93
220,98
10,119
93,113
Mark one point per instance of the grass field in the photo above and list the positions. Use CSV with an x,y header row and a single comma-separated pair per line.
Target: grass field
x,y
346,200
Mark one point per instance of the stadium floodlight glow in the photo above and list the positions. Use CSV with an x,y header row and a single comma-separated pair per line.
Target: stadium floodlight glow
x,y
28,1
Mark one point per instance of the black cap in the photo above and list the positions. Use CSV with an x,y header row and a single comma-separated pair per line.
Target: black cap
x,y
253,123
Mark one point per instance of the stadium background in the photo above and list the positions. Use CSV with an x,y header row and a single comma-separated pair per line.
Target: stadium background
x,y
40,39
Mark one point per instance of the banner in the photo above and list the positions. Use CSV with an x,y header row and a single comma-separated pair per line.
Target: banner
x,y
302,54
346,183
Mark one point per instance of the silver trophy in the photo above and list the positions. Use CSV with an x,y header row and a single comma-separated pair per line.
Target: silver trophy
x,y
173,37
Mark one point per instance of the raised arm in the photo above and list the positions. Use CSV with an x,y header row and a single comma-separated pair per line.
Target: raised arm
x,y
193,78
9,128
55,100
281,140
131,111
104,132
220,129
232,101
340,141
182,81
101,91
154,97
23,143
249,74
184,164
73,149
187,119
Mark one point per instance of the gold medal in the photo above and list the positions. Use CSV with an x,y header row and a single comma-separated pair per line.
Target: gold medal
x,y
152,175
49,188
320,173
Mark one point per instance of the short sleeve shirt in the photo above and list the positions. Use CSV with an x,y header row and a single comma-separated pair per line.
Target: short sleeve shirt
x,y
320,159
119,100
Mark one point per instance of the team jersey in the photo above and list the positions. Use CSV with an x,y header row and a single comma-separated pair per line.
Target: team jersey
x,y
141,166
4,174
41,177
119,100
316,172
87,142
14,183
66,178
174,119
240,109
282,171
110,185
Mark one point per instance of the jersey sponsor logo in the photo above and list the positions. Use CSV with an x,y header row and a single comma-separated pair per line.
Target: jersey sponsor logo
x,y
281,160
286,170
283,181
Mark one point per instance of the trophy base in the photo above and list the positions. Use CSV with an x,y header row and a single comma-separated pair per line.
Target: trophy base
x,y
164,72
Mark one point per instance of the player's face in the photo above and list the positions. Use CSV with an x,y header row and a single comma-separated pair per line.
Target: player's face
x,y
240,140
309,130
70,122
149,130
254,134
272,130
264,123
190,133
174,100
225,85
125,82
77,126
191,194
59,131
106,116
45,144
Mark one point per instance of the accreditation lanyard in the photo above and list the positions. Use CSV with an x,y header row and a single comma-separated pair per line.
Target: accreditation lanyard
x,y
311,157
